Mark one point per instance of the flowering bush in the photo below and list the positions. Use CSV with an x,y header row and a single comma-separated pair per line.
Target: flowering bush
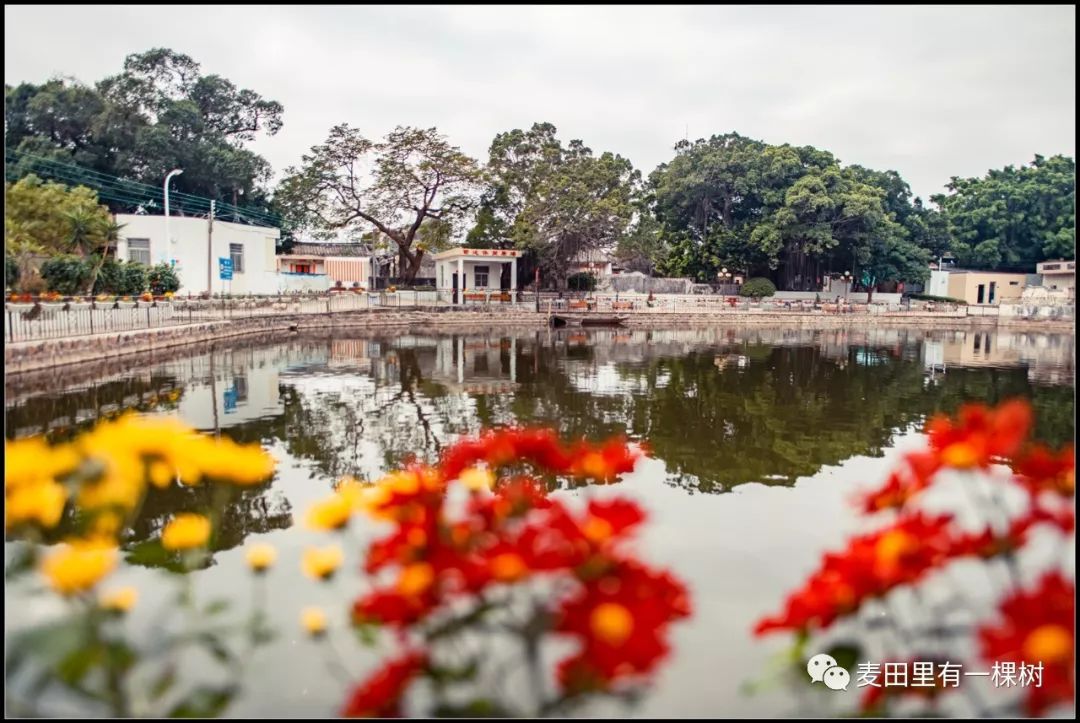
x,y
1034,623
509,559
473,546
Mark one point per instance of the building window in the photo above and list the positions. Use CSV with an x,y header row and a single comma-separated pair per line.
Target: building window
x,y
481,277
139,251
1014,283
236,252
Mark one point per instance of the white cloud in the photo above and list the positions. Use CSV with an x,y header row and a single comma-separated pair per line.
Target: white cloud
x,y
931,92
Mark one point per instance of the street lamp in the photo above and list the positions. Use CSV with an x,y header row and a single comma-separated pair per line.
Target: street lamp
x,y
168,240
847,284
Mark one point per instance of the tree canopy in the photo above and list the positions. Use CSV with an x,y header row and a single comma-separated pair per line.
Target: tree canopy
x,y
553,200
160,112
412,178
1013,218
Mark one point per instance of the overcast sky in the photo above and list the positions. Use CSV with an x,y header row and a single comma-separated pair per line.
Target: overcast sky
x,y
931,92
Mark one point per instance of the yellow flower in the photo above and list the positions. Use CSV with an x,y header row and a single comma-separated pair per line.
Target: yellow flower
x,y
241,465
161,474
478,478
321,564
186,531
42,503
120,600
78,566
32,461
330,514
261,557
314,621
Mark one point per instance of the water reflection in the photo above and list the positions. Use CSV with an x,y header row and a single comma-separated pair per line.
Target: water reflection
x,y
719,407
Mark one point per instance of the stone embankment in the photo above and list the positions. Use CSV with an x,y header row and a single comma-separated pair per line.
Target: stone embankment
x,y
29,356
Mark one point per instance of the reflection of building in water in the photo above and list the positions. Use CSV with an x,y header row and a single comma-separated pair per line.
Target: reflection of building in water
x,y
237,385
1049,358
355,354
476,366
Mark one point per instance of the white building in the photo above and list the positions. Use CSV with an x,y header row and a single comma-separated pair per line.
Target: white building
x,y
195,252
1059,275
474,270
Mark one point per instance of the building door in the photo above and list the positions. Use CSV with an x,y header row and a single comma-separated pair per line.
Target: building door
x,y
982,293
455,287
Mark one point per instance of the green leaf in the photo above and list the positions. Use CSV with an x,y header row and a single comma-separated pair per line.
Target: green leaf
x,y
47,644
152,554
216,606
216,647
164,682
204,702
451,675
23,562
845,654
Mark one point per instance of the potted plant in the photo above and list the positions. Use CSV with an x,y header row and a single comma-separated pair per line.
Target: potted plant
x,y
125,302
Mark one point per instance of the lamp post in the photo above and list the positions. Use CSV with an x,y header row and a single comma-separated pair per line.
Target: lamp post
x,y
168,239
847,284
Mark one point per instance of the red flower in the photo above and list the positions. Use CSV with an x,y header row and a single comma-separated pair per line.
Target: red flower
x,y
1038,627
980,435
872,565
380,695
1041,470
621,619
915,474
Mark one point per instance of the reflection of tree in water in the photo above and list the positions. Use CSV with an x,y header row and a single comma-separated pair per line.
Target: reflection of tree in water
x,y
62,416
246,511
249,511
719,410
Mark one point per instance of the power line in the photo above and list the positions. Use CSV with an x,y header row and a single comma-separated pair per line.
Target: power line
x,y
125,191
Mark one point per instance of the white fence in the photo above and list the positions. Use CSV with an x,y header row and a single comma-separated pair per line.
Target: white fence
x,y
28,322
51,321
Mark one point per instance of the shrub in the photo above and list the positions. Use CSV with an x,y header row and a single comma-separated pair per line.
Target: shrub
x,y
581,281
162,278
757,288
121,279
931,297
67,274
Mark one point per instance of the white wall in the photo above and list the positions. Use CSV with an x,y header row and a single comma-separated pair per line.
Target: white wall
x,y
938,284
189,250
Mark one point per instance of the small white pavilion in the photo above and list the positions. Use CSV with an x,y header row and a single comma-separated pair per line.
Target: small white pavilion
x,y
474,271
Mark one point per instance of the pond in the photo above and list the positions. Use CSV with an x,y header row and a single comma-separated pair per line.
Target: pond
x,y
758,439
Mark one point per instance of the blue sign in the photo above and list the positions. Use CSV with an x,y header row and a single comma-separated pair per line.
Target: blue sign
x,y
225,269
230,400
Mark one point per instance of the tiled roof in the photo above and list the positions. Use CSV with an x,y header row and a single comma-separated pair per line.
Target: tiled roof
x,y
314,249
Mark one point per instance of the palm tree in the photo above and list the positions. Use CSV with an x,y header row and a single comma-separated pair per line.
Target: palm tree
x,y
110,233
85,231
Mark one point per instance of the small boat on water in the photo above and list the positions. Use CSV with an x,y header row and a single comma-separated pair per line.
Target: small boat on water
x,y
561,320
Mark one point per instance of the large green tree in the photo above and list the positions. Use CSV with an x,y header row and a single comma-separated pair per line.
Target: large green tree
x,y
160,112
1013,218
412,179
553,201
793,214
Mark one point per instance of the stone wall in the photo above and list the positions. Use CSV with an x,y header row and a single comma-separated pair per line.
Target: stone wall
x,y
25,357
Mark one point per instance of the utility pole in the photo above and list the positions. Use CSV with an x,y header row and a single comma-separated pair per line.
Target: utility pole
x,y
210,252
